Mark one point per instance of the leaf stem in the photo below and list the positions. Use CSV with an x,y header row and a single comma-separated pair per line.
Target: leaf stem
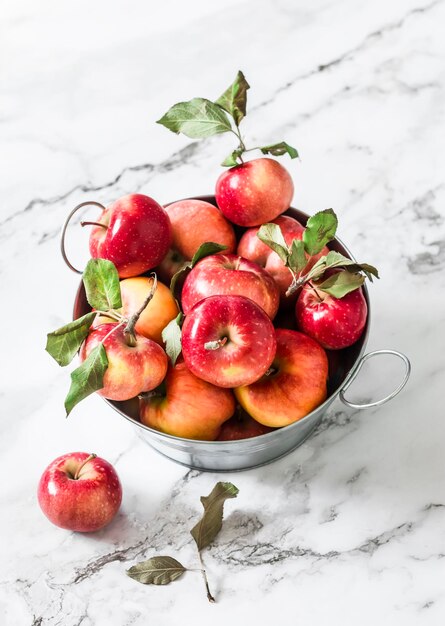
x,y
210,598
129,335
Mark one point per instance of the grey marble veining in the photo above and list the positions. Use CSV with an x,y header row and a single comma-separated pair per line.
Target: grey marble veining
x,y
348,529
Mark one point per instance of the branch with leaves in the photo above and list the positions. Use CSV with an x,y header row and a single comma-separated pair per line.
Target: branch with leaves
x,y
162,570
199,118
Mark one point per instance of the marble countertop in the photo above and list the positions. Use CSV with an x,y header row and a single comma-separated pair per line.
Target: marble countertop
x,y
349,528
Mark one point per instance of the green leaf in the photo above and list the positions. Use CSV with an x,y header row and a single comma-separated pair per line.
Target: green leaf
x,y
297,258
278,149
336,259
368,270
62,344
234,99
196,118
87,378
171,336
320,229
159,570
271,235
232,159
102,285
210,524
206,249
341,283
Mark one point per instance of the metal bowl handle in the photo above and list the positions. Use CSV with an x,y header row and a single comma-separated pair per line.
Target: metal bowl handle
x,y
368,405
65,226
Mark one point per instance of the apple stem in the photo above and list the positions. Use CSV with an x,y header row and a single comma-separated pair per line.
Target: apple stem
x,y
93,224
210,598
316,292
237,264
129,335
215,345
92,456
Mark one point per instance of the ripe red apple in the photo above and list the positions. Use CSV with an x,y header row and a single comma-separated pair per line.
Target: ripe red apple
x,y
335,323
189,408
242,426
255,192
294,387
131,369
193,223
80,491
135,234
252,248
228,274
228,341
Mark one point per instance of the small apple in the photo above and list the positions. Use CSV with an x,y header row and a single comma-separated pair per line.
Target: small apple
x,y
194,222
228,341
335,323
228,274
255,192
134,233
80,491
242,426
293,387
252,248
188,407
131,369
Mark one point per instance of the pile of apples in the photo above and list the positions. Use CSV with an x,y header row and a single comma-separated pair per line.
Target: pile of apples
x,y
226,338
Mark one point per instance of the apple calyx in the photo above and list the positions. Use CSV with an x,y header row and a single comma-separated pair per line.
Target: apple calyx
x,y
129,333
215,345
200,118
320,230
82,465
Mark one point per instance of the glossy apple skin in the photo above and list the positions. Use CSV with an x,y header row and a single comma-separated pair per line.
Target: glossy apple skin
x,y
250,346
229,274
254,193
242,426
296,388
83,505
137,237
194,222
161,309
191,408
336,323
250,247
131,370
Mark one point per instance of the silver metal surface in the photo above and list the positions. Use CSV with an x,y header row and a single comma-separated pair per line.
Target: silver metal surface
x,y
65,226
224,456
356,371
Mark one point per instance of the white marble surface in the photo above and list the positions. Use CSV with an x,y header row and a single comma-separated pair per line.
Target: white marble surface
x,y
348,529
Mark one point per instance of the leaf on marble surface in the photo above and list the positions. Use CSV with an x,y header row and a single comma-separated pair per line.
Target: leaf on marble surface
x,y
102,285
234,99
210,524
197,118
159,570
87,378
62,344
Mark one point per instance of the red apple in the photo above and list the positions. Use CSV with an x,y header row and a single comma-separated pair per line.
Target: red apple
x,y
193,223
135,234
228,274
228,341
252,248
294,387
242,426
255,192
131,369
80,491
189,408
335,323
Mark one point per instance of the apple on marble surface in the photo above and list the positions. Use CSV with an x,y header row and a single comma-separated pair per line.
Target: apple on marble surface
x,y
255,192
134,233
194,222
228,341
187,406
229,274
293,386
80,491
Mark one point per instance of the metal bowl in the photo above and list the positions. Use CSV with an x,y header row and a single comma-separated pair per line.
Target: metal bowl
x,y
217,456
